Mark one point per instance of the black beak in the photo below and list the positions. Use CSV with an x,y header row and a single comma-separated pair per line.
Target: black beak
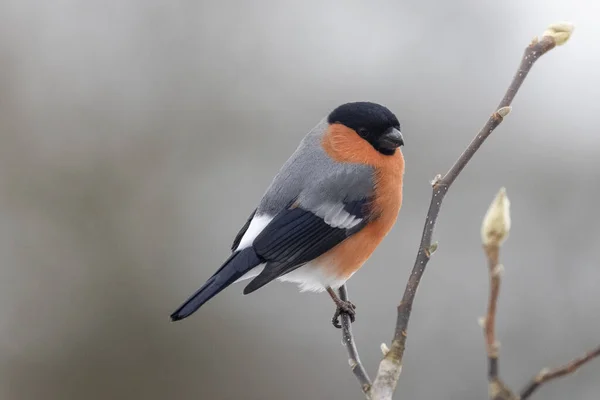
x,y
391,139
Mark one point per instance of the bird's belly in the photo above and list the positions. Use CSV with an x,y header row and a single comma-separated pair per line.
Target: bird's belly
x,y
314,277
311,277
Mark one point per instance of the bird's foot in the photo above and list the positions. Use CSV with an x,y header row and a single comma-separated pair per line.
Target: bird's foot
x,y
343,307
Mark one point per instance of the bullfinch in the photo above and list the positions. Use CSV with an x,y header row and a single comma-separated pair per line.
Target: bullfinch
x,y
324,213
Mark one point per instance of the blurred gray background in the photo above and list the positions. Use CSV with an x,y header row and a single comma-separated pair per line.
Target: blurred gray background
x,y
137,136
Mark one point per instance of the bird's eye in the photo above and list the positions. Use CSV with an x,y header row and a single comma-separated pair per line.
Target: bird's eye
x,y
363,132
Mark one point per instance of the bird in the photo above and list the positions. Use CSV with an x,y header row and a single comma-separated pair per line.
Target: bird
x,y
324,213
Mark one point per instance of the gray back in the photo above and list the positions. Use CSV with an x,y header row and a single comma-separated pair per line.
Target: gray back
x,y
313,178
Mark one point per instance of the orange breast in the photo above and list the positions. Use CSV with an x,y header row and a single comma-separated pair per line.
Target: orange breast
x,y
345,145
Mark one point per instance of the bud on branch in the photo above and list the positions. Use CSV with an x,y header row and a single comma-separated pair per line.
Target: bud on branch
x,y
560,32
496,223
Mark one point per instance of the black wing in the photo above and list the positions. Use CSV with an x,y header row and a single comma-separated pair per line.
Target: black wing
x,y
296,236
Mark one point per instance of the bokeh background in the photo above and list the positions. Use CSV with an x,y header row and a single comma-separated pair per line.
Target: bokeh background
x,y
137,136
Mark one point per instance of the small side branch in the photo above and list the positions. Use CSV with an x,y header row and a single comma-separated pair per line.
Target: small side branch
x,y
497,389
547,375
489,322
354,360
494,231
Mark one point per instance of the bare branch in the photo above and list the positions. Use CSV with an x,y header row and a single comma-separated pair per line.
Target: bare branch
x,y
494,230
391,365
354,360
547,375
492,345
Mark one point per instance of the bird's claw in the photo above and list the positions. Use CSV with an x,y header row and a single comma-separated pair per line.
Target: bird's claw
x,y
343,307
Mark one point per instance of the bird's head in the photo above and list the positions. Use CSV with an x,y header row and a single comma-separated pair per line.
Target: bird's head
x,y
373,122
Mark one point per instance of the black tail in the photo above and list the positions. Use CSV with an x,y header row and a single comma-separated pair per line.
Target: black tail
x,y
235,267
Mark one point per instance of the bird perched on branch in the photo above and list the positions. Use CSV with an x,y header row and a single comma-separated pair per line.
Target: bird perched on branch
x,y
325,212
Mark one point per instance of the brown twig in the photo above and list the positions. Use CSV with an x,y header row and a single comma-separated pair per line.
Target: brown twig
x,y
546,375
494,231
355,364
497,389
489,322
390,367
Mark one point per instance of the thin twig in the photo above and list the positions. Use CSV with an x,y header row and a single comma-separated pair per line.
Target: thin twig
x,y
497,390
546,375
391,365
490,319
494,231
354,360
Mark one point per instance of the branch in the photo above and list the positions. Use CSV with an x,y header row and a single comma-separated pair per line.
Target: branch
x,y
546,375
391,365
489,322
494,231
355,364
